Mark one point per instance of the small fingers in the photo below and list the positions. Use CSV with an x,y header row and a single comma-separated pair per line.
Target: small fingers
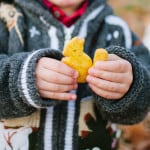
x,y
54,77
107,85
57,66
58,96
106,94
111,76
118,66
42,85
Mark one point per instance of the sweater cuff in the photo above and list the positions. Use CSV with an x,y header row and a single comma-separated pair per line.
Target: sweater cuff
x,y
26,83
132,95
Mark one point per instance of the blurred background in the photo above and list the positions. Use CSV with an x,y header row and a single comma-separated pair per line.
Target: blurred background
x,y
137,14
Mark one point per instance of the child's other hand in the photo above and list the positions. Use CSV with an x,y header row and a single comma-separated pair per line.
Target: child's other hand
x,y
54,79
111,79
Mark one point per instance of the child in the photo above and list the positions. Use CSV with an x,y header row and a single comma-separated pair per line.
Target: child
x,y
36,110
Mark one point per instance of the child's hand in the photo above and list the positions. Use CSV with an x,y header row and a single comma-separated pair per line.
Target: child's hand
x,y
54,79
111,79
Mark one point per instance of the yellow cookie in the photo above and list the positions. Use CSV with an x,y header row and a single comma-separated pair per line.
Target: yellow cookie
x,y
100,55
76,58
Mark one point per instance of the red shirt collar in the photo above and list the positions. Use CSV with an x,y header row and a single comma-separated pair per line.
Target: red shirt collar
x,y
62,17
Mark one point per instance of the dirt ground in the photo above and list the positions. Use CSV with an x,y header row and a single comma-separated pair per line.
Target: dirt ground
x,y
135,12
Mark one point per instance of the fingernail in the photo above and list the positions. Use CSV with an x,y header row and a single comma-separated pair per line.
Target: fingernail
x,y
76,74
88,78
73,97
91,70
75,86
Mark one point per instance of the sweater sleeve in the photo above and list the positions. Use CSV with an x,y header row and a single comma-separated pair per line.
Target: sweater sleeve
x,y
133,107
18,93
26,80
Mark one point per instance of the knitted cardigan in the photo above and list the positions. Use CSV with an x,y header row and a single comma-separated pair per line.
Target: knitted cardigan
x,y
28,32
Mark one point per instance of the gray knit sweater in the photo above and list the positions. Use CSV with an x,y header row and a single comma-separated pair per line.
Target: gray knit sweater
x,y
28,32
